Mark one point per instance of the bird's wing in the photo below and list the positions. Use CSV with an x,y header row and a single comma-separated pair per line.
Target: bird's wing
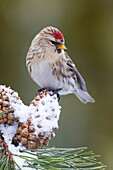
x,y
77,75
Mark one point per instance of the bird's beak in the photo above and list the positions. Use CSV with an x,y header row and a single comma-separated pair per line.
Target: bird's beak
x,y
63,47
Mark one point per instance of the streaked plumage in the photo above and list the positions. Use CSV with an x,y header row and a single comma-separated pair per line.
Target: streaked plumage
x,y
51,67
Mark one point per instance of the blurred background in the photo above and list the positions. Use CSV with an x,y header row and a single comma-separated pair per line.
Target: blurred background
x,y
88,30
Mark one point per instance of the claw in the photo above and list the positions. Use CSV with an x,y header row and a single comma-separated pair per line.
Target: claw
x,y
56,92
40,91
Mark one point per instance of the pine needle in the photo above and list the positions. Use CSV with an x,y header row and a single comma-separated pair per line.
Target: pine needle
x,y
62,158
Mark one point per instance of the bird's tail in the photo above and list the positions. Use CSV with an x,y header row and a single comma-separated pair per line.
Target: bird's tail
x,y
84,96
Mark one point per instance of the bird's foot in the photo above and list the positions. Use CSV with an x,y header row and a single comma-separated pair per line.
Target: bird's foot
x,y
40,90
45,90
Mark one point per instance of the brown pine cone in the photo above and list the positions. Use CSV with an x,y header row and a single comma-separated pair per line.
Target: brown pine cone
x,y
8,98
34,132
35,123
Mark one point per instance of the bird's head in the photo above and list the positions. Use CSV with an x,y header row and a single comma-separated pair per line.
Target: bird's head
x,y
51,40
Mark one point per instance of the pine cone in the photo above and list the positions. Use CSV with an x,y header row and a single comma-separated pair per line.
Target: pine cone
x,y
25,135
35,123
31,133
7,98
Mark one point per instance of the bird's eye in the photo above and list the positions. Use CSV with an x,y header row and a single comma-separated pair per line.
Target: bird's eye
x,y
53,42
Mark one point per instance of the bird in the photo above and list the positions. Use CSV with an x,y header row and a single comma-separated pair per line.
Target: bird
x,y
51,67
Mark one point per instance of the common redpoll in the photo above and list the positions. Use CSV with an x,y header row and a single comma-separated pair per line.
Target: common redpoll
x,y
51,67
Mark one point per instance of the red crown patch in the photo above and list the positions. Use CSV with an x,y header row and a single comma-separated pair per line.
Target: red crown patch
x,y
58,35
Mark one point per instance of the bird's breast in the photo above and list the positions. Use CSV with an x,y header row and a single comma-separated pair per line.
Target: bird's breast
x,y
42,74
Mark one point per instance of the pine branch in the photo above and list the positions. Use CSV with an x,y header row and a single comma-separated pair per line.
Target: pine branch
x,y
62,158
6,159
32,127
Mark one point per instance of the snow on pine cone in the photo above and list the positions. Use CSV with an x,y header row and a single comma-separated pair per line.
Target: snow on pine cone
x,y
8,100
36,122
